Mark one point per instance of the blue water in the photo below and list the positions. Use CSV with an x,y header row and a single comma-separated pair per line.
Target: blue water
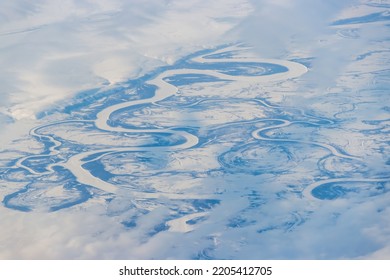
x,y
241,68
243,158
33,195
186,79
374,17
330,191
273,167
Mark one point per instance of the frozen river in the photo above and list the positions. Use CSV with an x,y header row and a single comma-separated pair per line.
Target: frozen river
x,y
202,152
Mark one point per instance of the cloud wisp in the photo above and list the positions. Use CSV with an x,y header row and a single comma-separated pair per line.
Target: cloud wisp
x,y
53,49
237,190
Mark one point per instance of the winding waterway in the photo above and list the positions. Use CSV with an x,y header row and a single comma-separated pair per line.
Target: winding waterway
x,y
146,151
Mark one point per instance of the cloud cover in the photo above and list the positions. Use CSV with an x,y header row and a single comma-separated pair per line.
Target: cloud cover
x,y
275,26
53,49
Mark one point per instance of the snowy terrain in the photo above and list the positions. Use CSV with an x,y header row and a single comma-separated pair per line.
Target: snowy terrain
x,y
196,130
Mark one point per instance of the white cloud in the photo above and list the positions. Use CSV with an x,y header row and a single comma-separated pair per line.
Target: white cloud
x,y
51,50
274,27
